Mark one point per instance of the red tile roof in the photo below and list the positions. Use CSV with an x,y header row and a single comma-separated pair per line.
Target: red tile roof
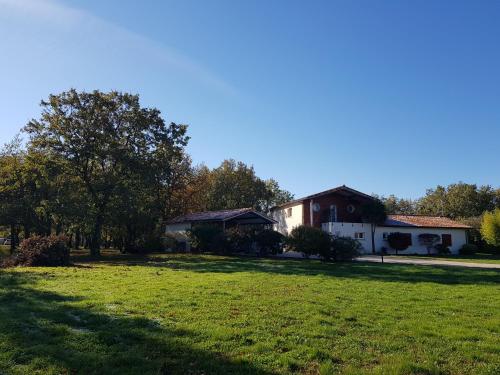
x,y
423,222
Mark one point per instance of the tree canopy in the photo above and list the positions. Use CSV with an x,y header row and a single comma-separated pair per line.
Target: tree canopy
x,y
104,170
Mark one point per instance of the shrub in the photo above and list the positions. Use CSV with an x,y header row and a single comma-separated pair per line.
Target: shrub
x,y
310,241
399,241
468,249
269,241
442,249
41,251
239,239
208,237
490,227
345,248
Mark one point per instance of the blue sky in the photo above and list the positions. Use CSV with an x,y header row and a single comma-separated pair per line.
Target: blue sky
x,y
388,97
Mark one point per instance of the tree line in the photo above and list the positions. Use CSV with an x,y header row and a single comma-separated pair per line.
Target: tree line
x,y
105,171
456,201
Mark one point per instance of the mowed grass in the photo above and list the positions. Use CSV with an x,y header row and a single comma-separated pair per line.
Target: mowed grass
x,y
193,314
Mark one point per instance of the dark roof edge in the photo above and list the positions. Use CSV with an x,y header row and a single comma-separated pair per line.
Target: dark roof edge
x,y
325,192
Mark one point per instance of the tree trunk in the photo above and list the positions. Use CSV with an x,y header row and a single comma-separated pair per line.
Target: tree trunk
x,y
95,242
373,238
77,239
12,238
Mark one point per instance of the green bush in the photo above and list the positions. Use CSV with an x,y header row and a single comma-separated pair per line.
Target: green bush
x,y
490,227
269,241
468,249
239,239
345,248
41,251
399,241
310,241
208,237
442,249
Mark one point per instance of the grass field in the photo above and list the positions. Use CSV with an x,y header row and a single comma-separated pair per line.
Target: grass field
x,y
216,315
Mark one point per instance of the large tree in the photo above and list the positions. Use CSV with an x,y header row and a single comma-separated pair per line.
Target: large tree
x,y
400,206
458,200
490,227
105,139
374,212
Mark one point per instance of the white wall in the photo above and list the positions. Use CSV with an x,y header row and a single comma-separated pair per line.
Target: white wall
x,y
286,224
348,230
458,236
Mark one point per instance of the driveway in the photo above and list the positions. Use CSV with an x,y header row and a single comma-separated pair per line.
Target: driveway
x,y
425,262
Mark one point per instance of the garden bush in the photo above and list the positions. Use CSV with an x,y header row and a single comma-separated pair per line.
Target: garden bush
x,y
239,239
345,248
208,237
310,241
269,241
468,249
442,249
41,251
399,241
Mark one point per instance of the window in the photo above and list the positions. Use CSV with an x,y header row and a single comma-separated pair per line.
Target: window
x,y
446,240
289,212
359,235
385,236
351,208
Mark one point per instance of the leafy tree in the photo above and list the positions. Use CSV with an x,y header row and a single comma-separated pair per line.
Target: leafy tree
x,y
235,185
105,139
459,200
374,212
490,227
398,241
275,195
398,206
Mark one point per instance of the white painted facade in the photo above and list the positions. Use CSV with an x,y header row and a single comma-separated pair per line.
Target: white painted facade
x,y
288,218
357,230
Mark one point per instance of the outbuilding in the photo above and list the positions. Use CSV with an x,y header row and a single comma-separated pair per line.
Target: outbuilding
x,y
179,226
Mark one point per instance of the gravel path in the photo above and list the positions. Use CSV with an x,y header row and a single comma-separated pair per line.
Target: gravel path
x,y
425,262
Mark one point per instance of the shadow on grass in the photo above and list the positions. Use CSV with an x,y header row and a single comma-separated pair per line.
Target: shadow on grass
x,y
43,332
359,270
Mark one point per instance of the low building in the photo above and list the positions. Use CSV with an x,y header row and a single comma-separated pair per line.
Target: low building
x,y
338,211
178,227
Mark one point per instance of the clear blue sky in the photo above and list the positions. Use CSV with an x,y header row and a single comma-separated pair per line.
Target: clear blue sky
x,y
383,96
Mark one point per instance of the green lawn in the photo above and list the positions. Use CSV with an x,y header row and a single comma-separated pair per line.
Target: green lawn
x,y
478,258
194,314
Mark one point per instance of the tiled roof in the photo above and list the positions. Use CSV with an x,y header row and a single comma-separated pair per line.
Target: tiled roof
x,y
222,215
423,221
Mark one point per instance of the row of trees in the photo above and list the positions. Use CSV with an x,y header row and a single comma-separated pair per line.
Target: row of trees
x,y
103,170
456,201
